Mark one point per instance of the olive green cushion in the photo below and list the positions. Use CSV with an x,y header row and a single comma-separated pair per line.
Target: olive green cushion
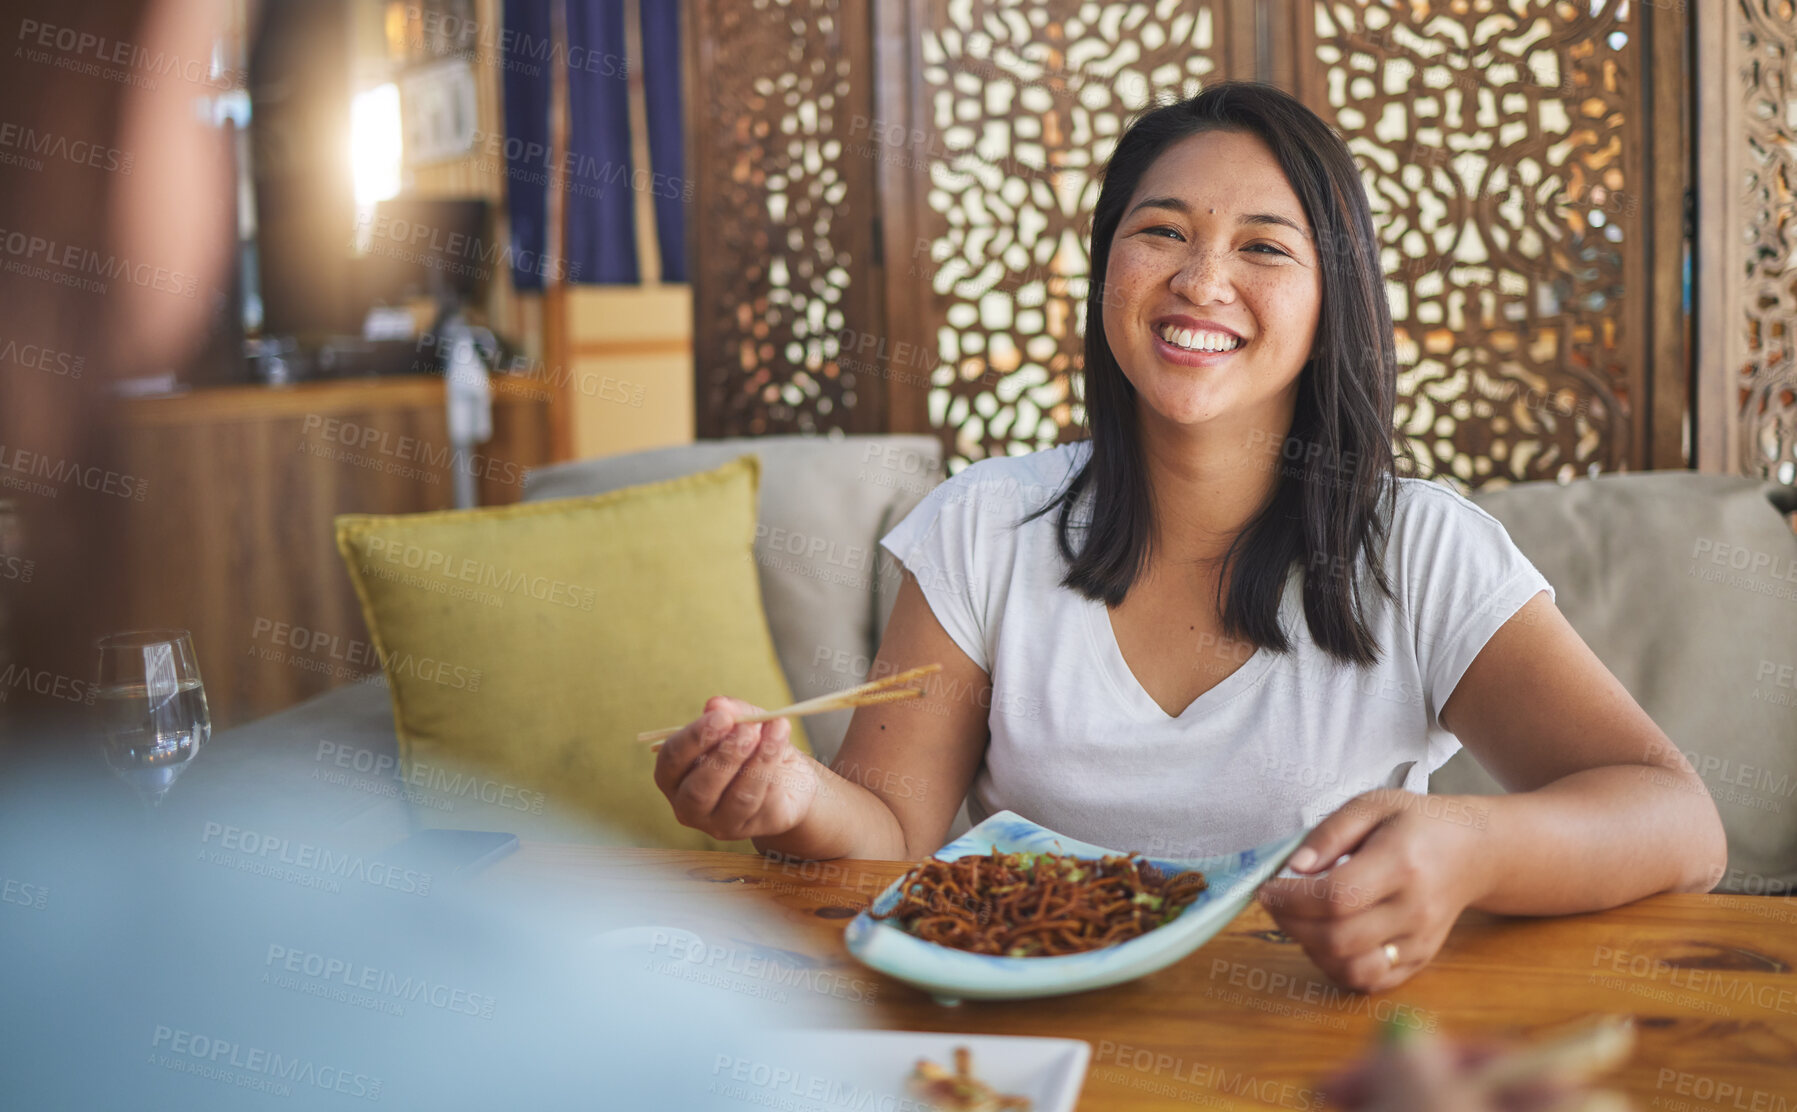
x,y
526,646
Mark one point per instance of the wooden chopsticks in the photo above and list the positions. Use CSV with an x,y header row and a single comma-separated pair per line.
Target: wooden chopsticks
x,y
889,690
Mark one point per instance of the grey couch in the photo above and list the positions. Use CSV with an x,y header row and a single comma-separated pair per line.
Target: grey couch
x,y
1685,585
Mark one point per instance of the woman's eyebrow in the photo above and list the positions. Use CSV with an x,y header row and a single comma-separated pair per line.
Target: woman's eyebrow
x,y
1275,218
1174,204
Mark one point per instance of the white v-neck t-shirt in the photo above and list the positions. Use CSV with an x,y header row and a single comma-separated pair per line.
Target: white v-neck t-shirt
x,y
1077,744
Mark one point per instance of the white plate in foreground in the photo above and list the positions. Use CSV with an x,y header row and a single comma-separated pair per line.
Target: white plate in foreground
x,y
828,1071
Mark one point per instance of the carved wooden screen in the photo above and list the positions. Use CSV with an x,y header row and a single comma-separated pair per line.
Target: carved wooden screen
x,y
1768,374
1768,385
1015,107
784,231
1504,154
1748,400
1504,150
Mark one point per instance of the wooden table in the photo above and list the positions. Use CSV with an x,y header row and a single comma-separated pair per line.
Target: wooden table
x,y
1247,1021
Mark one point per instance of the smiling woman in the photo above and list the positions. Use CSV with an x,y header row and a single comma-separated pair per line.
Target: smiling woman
x,y
1225,617
1279,262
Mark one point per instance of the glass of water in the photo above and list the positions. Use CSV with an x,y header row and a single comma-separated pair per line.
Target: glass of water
x,y
152,708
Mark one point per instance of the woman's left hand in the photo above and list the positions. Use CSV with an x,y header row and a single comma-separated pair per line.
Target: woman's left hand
x,y
1373,921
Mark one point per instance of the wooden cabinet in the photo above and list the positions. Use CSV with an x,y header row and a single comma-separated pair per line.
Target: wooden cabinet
x,y
229,533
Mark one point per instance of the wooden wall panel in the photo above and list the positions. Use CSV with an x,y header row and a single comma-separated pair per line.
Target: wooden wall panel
x,y
233,537
403,32
630,368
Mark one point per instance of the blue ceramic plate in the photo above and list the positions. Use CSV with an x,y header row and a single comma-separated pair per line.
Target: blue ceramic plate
x,y
953,975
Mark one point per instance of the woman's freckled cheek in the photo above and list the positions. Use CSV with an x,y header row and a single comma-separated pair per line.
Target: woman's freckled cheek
x,y
1129,271
1139,282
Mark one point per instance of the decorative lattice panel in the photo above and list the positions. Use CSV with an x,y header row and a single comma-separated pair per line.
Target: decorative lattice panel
x,y
1504,146
784,222
1022,101
1498,142
1766,386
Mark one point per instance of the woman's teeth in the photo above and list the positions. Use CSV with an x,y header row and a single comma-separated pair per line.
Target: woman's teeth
x,y
1192,339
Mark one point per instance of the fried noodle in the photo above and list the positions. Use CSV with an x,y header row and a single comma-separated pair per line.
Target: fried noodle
x,y
1039,904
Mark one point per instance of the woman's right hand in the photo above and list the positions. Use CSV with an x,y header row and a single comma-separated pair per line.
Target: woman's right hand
x,y
733,780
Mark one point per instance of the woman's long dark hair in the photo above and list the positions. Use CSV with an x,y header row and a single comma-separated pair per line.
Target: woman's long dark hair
x,y
1337,475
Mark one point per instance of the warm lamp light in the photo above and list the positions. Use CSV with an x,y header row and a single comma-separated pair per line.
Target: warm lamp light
x,y
375,144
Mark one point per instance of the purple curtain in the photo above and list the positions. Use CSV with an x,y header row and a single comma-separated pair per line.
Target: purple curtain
x,y
667,135
527,77
601,205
